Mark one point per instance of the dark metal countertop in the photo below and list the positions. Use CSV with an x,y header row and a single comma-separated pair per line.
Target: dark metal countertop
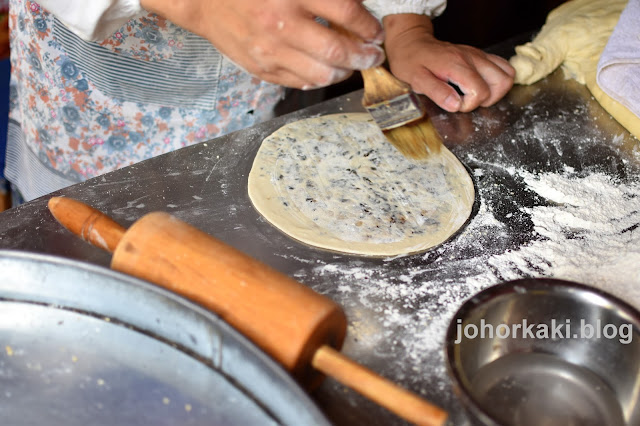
x,y
546,161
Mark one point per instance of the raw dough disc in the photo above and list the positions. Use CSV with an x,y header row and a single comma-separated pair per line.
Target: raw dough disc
x,y
335,182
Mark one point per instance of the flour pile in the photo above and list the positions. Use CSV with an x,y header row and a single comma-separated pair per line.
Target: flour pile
x,y
591,236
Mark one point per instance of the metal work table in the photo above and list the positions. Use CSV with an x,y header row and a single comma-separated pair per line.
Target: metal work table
x,y
399,308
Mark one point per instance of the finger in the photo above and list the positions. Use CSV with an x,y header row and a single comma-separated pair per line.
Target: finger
x,y
351,15
502,63
274,65
497,79
280,76
285,78
336,77
482,86
499,88
474,88
437,90
484,79
455,67
268,70
332,47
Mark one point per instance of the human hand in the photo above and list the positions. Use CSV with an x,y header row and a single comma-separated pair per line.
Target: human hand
x,y
428,65
279,40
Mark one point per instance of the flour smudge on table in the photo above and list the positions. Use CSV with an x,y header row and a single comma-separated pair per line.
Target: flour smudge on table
x,y
587,230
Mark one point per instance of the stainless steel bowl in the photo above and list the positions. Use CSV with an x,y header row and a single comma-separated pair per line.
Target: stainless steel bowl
x,y
546,352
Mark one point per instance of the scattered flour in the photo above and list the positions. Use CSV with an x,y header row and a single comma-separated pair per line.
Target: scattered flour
x,y
588,231
591,236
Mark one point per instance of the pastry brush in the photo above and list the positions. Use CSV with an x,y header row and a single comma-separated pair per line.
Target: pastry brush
x,y
400,114
398,111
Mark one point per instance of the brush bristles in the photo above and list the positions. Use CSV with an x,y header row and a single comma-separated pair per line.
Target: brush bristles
x,y
416,140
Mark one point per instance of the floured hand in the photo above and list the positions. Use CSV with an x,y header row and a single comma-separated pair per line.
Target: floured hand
x,y
428,65
279,40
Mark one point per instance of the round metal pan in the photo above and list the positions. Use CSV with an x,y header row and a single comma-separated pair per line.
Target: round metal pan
x,y
84,345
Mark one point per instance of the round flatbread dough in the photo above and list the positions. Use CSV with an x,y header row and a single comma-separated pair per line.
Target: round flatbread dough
x,y
335,182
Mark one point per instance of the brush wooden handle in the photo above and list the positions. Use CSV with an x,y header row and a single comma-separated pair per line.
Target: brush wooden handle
x,y
378,389
296,326
380,86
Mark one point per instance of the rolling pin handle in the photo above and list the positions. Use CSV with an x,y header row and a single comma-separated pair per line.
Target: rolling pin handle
x,y
378,389
90,224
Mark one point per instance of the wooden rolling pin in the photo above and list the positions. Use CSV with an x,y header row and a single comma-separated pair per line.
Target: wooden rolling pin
x,y
296,326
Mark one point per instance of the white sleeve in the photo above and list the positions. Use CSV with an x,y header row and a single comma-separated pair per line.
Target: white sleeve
x,y
382,8
93,20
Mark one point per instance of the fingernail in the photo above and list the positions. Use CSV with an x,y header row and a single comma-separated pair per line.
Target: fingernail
x,y
335,76
380,58
452,102
339,75
362,62
378,38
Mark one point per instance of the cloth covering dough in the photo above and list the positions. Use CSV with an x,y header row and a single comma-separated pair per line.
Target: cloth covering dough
x,y
335,182
573,37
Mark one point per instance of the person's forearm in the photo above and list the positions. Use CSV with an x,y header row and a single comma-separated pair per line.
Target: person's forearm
x,y
191,15
399,25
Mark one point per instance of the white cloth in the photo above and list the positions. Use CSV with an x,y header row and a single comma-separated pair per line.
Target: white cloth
x,y
382,8
618,72
93,20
